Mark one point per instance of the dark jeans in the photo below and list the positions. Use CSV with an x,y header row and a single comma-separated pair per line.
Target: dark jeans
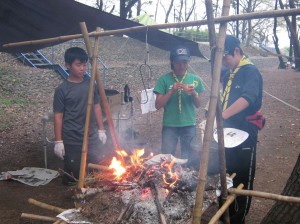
x,y
72,159
186,135
242,161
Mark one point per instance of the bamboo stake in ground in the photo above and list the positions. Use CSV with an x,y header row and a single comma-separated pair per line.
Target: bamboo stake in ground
x,y
224,207
275,197
219,118
46,206
88,114
38,217
219,20
197,213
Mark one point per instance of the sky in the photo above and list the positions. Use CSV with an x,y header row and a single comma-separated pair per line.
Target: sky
x,y
281,33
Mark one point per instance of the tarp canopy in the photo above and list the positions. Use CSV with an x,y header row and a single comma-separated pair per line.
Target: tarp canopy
x,y
40,19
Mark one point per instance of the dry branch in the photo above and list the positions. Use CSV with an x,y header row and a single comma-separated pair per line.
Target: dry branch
x,y
161,214
275,197
126,212
246,16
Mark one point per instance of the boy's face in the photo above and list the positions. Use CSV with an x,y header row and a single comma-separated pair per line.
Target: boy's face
x,y
231,61
180,67
77,69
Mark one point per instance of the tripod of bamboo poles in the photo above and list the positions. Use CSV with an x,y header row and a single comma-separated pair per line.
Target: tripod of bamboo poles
x,y
213,98
95,74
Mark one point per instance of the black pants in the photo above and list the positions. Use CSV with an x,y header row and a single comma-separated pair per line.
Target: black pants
x,y
72,159
241,160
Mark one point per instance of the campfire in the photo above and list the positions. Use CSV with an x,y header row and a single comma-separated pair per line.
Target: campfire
x,y
142,189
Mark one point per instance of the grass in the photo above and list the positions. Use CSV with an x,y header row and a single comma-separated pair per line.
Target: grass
x,y
9,104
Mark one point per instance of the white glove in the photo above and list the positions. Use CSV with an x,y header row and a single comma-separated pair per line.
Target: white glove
x,y
59,149
102,136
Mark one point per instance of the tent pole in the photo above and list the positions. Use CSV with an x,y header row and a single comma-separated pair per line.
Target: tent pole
x,y
88,114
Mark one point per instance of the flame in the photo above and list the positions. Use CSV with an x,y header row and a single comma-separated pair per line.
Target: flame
x,y
172,176
136,157
122,153
118,167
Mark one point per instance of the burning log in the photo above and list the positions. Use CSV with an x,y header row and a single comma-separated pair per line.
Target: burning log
x,y
98,167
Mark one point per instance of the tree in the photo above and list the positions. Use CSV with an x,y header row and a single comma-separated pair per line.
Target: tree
x,y
292,26
287,213
125,8
275,39
251,31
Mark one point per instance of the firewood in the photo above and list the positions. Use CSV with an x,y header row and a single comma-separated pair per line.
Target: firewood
x,y
161,214
46,206
38,217
126,212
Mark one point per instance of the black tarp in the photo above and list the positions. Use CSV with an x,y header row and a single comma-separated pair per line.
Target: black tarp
x,y
24,20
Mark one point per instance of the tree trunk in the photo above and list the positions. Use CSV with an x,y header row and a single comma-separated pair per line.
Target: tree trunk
x,y
169,10
294,39
287,213
123,13
139,7
275,39
126,9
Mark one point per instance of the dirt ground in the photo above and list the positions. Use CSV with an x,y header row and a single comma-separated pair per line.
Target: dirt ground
x,y
21,140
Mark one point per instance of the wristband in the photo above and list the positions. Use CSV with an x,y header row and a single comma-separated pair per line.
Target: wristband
x,y
60,141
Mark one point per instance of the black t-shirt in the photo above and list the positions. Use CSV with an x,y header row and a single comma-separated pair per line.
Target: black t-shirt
x,y
71,99
247,83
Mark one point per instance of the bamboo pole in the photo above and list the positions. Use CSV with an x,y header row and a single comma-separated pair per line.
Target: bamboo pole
x,y
208,132
103,97
259,194
38,217
106,109
224,207
246,16
219,118
45,206
88,113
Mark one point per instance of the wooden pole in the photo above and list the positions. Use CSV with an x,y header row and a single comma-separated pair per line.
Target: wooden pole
x,y
219,118
259,194
88,113
38,217
208,133
46,206
104,102
246,16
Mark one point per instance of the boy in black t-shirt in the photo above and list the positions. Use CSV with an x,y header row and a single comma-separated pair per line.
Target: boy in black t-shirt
x,y
70,108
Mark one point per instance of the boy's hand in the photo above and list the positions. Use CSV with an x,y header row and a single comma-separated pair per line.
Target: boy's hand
x,y
102,136
59,149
